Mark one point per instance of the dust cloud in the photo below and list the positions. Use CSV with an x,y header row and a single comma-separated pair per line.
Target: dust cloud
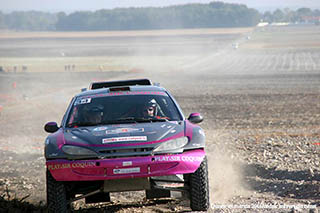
x,y
176,61
226,178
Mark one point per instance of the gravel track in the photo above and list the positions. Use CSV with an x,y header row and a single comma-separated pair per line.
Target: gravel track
x,y
261,105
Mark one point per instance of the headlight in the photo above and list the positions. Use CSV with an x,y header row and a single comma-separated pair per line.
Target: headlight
x,y
76,150
172,144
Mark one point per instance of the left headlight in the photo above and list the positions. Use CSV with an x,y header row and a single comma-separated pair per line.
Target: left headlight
x,y
79,151
172,144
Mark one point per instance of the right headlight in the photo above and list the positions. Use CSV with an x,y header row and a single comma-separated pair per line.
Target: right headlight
x,y
78,151
172,144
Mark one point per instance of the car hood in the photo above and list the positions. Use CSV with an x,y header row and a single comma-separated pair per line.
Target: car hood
x,y
124,134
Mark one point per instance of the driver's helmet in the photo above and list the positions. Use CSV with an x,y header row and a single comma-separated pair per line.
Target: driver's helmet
x,y
150,108
93,113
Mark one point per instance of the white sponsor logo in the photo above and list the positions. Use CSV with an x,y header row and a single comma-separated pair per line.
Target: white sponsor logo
x,y
121,139
102,128
83,101
127,163
124,130
178,158
126,171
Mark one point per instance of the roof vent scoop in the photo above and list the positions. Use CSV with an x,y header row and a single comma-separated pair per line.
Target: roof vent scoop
x,y
108,84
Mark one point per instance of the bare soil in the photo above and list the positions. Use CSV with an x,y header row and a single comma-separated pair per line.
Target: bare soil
x,y
262,121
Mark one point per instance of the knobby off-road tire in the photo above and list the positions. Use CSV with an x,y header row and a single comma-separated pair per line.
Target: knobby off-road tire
x,y
199,188
56,195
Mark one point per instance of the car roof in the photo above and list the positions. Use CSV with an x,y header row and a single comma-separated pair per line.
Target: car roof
x,y
136,88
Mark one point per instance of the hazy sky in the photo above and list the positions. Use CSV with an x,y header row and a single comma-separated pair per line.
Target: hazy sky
x,y
73,5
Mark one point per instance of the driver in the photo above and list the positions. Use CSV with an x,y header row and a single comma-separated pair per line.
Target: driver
x,y
93,114
150,109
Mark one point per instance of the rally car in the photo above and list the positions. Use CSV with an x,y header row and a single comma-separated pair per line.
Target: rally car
x,y
125,136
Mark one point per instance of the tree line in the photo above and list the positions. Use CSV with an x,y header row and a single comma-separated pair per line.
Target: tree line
x,y
211,15
287,15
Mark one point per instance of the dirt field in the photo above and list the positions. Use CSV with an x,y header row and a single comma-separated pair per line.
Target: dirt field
x,y
261,104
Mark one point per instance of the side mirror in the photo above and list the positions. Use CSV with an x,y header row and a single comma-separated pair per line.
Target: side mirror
x,y
51,127
195,118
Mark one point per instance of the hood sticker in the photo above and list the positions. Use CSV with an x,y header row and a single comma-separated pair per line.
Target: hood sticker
x,y
124,130
101,128
121,139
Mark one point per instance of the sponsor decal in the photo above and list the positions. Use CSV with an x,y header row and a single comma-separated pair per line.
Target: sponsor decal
x,y
121,139
71,165
124,130
127,163
126,171
59,166
178,158
101,128
83,101
82,164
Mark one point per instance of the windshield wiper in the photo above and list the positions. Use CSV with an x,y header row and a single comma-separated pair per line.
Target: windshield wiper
x,y
82,124
151,119
136,120
121,120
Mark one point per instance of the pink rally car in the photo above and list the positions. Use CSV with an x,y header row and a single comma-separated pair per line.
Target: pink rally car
x,y
125,136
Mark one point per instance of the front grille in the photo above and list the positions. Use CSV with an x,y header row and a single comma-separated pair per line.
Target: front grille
x,y
126,150
134,152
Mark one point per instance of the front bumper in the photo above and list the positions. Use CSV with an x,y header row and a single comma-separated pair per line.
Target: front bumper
x,y
131,167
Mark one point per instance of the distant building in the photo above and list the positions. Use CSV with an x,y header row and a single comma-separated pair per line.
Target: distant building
x,y
262,24
311,19
279,24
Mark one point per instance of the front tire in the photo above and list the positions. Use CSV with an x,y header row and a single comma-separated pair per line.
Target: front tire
x,y
56,195
199,188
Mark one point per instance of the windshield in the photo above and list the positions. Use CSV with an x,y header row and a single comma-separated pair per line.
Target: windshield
x,y
115,109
